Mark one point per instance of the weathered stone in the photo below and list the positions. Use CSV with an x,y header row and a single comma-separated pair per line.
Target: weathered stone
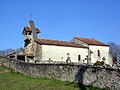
x,y
34,49
89,75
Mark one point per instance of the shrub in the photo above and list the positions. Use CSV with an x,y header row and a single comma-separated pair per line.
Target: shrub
x,y
99,63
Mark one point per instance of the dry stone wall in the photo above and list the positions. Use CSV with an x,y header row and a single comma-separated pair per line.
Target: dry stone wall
x,y
89,75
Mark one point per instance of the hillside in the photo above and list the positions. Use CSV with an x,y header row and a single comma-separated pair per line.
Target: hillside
x,y
9,80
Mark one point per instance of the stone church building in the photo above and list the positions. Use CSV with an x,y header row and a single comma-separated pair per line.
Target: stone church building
x,y
78,50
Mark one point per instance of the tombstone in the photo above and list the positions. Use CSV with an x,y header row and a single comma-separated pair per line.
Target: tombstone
x,y
68,58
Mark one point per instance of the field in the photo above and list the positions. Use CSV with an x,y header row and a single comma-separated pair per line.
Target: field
x,y
9,80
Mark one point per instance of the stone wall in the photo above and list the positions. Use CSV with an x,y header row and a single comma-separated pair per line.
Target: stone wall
x,y
37,52
34,49
88,75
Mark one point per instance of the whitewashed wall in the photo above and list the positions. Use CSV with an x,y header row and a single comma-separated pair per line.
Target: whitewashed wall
x,y
59,53
104,52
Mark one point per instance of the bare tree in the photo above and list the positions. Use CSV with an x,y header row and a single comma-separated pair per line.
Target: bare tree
x,y
115,50
9,51
5,52
2,53
19,50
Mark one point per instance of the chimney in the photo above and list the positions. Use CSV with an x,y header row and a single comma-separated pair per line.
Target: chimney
x,y
32,27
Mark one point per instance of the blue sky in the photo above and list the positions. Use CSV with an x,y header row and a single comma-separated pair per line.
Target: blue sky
x,y
59,20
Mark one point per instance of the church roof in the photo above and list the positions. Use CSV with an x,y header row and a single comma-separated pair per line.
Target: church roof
x,y
28,29
90,41
58,43
11,54
20,54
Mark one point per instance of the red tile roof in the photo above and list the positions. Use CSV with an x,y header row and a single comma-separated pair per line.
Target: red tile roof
x,y
90,41
28,29
58,43
20,54
24,54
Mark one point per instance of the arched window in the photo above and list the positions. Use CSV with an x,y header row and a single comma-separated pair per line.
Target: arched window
x,y
98,52
79,57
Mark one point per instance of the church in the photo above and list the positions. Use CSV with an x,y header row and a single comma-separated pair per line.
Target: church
x,y
78,50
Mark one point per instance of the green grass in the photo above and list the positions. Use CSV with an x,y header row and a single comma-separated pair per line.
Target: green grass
x,y
9,80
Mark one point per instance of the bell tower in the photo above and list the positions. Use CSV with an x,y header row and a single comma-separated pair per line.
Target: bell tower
x,y
30,33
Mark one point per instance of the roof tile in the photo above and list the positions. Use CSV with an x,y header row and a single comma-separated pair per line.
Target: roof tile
x,y
90,41
58,43
28,29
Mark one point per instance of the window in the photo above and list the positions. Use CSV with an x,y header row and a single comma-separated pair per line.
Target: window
x,y
79,57
25,33
98,52
29,33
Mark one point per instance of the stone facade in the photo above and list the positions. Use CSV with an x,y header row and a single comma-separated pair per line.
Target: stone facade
x,y
89,75
103,52
99,50
60,53
34,49
79,50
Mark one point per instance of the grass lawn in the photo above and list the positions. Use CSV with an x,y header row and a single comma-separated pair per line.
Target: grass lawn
x,y
9,80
